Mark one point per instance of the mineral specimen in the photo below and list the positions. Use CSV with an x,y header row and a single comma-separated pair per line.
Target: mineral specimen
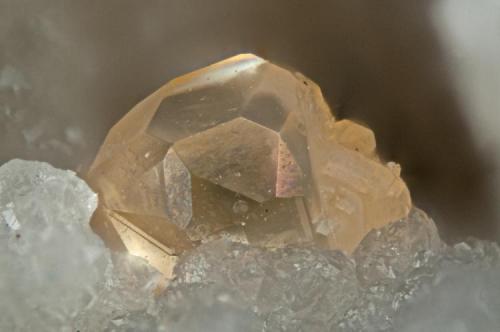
x,y
241,149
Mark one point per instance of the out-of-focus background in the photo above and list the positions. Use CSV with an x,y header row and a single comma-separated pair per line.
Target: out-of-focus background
x,y
424,75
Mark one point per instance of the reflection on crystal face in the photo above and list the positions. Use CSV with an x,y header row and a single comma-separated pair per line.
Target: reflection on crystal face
x,y
238,155
241,149
192,112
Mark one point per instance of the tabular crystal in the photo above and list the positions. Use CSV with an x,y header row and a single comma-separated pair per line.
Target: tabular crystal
x,y
243,149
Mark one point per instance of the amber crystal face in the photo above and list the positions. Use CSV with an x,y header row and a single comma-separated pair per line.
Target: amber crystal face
x,y
242,149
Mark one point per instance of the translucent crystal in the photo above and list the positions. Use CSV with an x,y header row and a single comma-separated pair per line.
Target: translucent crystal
x,y
241,149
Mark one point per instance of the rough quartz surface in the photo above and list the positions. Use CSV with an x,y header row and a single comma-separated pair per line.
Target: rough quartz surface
x,y
308,289
298,288
56,274
463,295
401,278
242,149
130,286
50,258
290,289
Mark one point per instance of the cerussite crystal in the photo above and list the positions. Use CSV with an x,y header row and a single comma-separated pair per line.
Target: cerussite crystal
x,y
242,149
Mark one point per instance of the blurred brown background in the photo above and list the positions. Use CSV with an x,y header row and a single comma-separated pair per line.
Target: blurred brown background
x,y
70,69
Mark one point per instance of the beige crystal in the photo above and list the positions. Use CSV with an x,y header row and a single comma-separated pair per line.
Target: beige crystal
x,y
242,149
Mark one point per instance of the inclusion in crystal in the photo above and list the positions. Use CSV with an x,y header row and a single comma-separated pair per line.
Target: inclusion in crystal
x,y
241,149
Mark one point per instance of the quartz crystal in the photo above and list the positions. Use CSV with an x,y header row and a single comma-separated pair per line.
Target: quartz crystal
x,y
253,288
246,150
56,274
379,255
308,289
50,258
291,289
464,291
129,287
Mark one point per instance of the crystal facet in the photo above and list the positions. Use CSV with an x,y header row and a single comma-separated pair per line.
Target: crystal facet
x,y
241,149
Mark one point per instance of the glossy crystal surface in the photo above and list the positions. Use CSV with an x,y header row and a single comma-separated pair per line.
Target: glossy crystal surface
x,y
241,149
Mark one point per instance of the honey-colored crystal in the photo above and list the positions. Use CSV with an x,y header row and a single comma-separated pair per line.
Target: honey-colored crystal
x,y
243,149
